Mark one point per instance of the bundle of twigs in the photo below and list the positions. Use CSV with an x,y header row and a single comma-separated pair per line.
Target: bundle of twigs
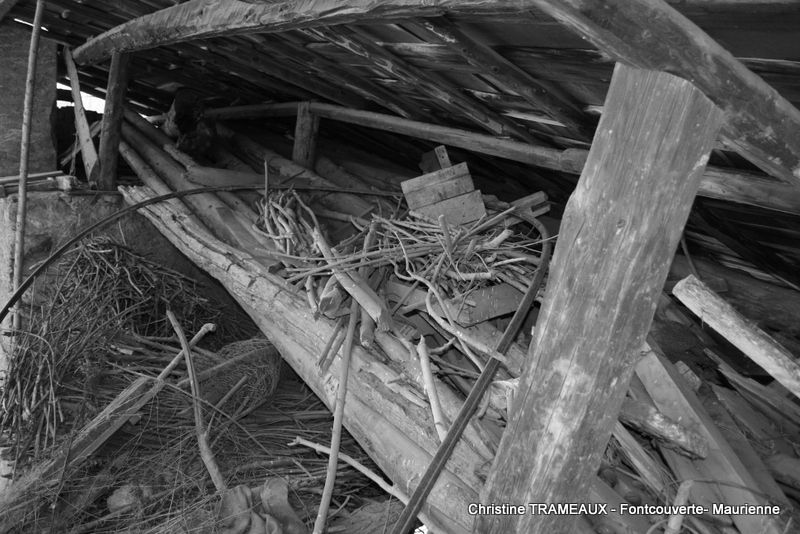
x,y
99,292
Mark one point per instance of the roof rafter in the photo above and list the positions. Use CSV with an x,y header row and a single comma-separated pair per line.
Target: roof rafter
x,y
760,123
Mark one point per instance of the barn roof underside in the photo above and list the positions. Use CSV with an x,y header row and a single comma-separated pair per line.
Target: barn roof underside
x,y
489,67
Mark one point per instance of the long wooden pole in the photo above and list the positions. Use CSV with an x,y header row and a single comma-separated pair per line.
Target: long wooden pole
x,y
24,152
620,229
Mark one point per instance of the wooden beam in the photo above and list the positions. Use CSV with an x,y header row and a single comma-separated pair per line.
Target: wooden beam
x,y
759,123
543,95
6,6
741,332
112,122
199,19
304,152
720,183
342,76
444,93
88,151
619,232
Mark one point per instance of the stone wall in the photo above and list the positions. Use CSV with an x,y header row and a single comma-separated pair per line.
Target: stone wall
x,y
14,43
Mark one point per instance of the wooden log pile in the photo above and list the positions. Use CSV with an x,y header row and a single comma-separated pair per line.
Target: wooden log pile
x,y
413,278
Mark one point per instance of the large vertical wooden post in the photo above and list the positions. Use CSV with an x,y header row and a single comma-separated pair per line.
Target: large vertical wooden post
x,y
305,136
619,232
112,122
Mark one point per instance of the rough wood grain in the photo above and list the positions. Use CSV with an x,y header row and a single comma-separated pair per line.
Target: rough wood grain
x,y
759,123
717,182
620,229
541,94
735,483
740,331
88,151
210,18
304,152
110,131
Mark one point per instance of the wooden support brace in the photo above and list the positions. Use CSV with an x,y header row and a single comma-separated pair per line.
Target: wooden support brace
x,y
88,151
620,229
306,127
110,133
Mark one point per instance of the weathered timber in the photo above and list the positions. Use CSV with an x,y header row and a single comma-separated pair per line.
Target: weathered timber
x,y
647,419
304,152
338,74
440,90
759,123
226,223
724,477
541,94
436,159
629,209
770,306
88,151
742,448
398,434
742,333
717,182
112,121
211,18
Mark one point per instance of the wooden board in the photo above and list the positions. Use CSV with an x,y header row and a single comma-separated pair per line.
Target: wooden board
x,y
462,209
735,483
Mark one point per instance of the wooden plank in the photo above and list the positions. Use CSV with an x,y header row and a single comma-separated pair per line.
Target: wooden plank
x,y
439,192
110,132
629,210
304,152
458,210
436,159
434,178
732,479
88,151
740,331
484,304
759,123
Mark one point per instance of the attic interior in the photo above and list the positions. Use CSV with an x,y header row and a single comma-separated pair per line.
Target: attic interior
x,y
400,266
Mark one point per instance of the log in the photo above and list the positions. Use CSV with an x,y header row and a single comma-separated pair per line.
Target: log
x,y
230,225
304,152
398,434
720,183
88,151
112,121
629,210
742,333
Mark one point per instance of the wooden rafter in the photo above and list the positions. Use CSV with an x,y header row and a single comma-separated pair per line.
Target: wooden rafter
x,y
541,94
210,18
339,75
446,94
759,123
